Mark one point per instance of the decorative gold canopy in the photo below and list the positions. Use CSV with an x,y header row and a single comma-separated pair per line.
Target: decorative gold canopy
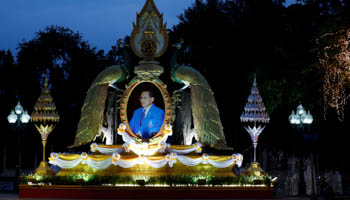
x,y
149,38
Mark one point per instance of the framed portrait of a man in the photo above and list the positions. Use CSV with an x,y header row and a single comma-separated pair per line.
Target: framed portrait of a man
x,y
145,110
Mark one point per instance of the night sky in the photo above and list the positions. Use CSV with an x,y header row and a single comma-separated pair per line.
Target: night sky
x,y
100,22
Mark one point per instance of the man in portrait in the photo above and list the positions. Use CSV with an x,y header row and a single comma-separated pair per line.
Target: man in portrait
x,y
148,119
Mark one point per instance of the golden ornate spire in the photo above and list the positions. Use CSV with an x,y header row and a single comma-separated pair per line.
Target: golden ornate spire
x,y
46,117
149,39
45,108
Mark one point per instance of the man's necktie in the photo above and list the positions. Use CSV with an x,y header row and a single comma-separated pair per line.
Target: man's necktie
x,y
142,116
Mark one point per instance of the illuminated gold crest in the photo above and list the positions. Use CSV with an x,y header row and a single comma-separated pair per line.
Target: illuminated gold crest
x,y
149,38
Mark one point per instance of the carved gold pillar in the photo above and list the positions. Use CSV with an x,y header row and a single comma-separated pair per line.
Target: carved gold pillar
x,y
45,118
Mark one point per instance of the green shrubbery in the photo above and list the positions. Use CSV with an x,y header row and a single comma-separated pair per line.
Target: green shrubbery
x,y
184,180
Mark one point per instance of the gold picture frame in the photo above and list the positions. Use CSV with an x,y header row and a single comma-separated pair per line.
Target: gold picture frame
x,y
126,98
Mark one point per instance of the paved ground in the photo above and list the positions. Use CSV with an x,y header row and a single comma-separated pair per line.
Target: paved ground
x,y
15,196
9,196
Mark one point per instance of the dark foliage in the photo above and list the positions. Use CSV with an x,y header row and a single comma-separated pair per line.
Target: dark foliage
x,y
229,41
71,64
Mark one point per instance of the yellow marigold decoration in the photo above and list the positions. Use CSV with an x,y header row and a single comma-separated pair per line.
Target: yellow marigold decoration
x,y
93,147
205,157
167,157
84,156
116,157
168,129
122,128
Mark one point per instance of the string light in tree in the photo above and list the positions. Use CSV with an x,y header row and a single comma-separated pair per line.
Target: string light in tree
x,y
334,59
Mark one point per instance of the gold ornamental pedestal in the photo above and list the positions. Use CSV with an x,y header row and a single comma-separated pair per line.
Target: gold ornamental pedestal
x,y
44,169
44,117
254,170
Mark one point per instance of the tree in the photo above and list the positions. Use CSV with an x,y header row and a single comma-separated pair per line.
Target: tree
x,y
6,64
334,59
229,41
71,64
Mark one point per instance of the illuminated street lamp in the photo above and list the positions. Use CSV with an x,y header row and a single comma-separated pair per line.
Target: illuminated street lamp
x,y
301,117
18,118
18,113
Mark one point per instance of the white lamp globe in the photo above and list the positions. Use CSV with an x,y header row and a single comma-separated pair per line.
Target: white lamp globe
x,y
18,109
308,118
12,118
292,117
300,110
25,117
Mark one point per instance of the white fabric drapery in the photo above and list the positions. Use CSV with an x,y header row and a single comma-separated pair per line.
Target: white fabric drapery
x,y
189,161
109,151
197,147
116,159
64,163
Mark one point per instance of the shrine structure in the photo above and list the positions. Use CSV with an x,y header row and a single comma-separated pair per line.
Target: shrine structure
x,y
147,166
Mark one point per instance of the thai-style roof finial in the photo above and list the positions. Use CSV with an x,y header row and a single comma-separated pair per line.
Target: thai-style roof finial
x,y
149,38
